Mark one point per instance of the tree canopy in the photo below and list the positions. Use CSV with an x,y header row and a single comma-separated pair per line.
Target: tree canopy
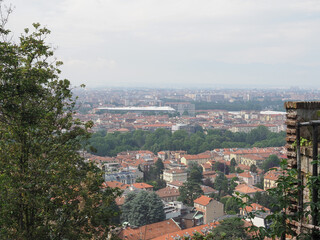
x,y
190,191
142,208
47,189
270,162
110,144
230,228
195,173
253,168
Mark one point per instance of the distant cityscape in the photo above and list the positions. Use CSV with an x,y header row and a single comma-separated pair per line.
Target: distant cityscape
x,y
224,171
148,109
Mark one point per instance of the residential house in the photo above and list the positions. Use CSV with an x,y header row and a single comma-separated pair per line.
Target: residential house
x,y
168,194
210,208
190,217
173,209
260,214
211,175
206,167
199,159
126,177
162,155
252,159
175,184
249,178
248,190
253,207
270,178
175,175
208,190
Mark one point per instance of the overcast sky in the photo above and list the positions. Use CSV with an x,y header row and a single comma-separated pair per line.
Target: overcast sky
x,y
180,43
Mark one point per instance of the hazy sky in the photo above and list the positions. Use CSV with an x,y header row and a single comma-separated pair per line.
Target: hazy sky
x,y
180,43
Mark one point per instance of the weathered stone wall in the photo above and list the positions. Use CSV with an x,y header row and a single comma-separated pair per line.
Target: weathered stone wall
x,y
301,112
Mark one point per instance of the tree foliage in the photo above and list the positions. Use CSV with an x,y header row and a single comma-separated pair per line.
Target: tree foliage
x,y
195,173
267,200
253,168
221,184
190,191
142,208
231,206
270,162
109,144
280,199
153,175
221,167
230,228
47,190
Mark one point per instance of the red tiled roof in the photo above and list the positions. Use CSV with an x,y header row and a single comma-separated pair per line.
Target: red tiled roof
x,y
199,156
231,175
176,183
150,231
245,189
120,200
203,200
188,231
206,165
272,175
142,185
245,175
158,125
115,184
207,189
243,167
255,207
122,130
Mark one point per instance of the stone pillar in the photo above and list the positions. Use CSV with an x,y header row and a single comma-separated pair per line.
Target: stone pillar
x,y
301,112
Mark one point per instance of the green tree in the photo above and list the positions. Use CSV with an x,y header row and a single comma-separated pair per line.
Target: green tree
x,y
253,168
113,143
232,185
270,162
208,182
233,162
281,198
239,170
266,200
221,184
47,190
231,206
195,173
258,134
190,191
230,228
157,184
222,167
142,208
159,166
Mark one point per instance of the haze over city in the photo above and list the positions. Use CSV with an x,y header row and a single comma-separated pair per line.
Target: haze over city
x,y
180,43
